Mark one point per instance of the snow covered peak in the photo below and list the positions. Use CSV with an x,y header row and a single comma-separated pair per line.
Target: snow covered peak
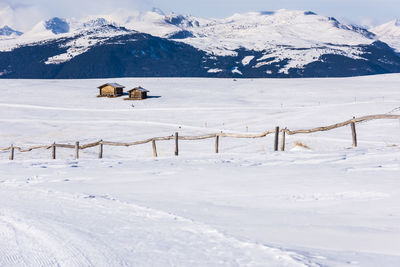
x,y
263,30
300,37
57,25
9,32
391,27
99,22
389,33
182,21
294,27
47,29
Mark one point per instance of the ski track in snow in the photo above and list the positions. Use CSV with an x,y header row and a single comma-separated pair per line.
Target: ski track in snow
x,y
38,240
34,247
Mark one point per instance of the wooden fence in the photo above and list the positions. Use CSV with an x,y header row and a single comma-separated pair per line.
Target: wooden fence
x,y
176,137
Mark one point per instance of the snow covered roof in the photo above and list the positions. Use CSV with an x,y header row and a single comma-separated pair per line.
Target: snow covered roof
x,y
140,89
115,85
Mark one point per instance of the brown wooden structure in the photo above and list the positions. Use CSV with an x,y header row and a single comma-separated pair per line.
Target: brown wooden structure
x,y
137,93
111,90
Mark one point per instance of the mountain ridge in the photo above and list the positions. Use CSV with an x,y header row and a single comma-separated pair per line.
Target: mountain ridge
x,y
280,43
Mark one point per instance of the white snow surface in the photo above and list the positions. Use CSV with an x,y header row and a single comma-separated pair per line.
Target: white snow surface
x,y
330,205
247,60
215,70
389,33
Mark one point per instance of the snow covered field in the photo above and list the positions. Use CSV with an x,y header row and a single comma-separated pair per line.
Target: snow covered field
x,y
247,206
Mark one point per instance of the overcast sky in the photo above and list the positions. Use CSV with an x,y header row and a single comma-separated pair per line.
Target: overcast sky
x,y
23,13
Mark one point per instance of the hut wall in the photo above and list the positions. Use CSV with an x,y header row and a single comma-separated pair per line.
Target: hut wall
x,y
136,94
107,90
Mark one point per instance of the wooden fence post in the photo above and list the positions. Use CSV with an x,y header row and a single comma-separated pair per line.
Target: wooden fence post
x,y
276,143
76,150
283,140
153,143
101,150
217,144
176,144
12,152
354,133
53,151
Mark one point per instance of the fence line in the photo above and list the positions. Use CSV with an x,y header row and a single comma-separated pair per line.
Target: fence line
x,y
217,136
342,124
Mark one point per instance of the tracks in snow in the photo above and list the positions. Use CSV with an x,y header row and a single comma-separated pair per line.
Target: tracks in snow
x,y
45,228
23,244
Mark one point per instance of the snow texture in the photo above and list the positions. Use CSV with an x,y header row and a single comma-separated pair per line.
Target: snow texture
x,y
328,205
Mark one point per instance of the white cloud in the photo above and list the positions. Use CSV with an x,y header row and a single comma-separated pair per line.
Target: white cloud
x,y
368,22
6,15
20,17
24,14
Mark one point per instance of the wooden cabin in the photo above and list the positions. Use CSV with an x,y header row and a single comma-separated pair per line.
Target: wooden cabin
x,y
137,93
111,90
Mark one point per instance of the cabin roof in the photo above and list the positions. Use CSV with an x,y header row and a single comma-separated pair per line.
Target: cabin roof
x,y
115,85
140,89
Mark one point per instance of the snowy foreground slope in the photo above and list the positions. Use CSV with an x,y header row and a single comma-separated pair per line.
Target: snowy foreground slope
x,y
247,206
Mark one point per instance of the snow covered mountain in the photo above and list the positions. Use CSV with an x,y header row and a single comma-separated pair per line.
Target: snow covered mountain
x,y
389,33
7,32
296,36
45,29
282,43
280,34
57,25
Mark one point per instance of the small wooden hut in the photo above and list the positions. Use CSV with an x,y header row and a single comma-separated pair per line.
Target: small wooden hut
x,y
137,93
111,90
